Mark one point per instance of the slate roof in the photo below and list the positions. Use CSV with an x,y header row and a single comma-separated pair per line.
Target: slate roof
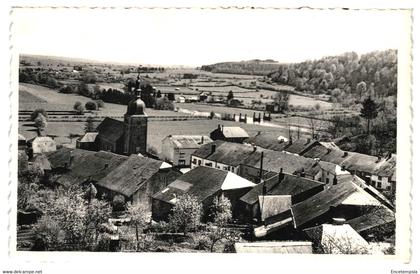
x,y
201,182
42,162
91,167
189,141
128,177
290,185
110,129
274,160
61,156
377,217
226,152
267,140
89,137
321,202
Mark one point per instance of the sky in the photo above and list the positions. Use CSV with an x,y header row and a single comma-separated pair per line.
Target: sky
x,y
195,37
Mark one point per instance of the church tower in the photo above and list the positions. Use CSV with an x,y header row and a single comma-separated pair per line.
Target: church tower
x,y
135,128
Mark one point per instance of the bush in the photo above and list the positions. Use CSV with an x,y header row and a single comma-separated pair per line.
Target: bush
x,y
78,107
186,214
91,105
67,89
164,103
100,103
37,111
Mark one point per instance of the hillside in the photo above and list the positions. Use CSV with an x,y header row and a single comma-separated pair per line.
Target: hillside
x,y
345,77
251,67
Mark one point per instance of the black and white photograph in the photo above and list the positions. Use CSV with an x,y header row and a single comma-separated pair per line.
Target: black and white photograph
x,y
212,131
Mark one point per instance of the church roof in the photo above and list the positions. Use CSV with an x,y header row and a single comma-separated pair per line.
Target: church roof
x,y
110,129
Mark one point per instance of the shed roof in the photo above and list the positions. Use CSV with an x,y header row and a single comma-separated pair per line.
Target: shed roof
x,y
89,137
128,177
321,202
189,141
202,182
234,132
110,129
61,157
267,140
290,185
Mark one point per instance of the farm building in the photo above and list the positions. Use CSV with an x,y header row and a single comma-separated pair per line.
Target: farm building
x,y
84,166
128,137
377,171
286,247
42,144
137,179
229,134
204,183
88,141
348,199
222,155
274,141
177,149
275,191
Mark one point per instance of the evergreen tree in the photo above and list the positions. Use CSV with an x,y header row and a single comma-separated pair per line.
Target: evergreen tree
x,y
369,111
89,126
230,95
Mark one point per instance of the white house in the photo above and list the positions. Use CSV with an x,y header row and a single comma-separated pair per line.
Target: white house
x,y
177,149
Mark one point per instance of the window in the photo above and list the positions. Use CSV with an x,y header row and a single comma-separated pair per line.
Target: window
x,y
388,187
194,161
379,185
199,162
327,180
379,178
209,164
181,162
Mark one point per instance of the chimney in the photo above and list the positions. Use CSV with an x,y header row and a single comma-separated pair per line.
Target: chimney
x,y
70,159
202,139
106,165
335,180
261,165
281,175
302,173
379,159
254,148
343,168
213,148
290,141
219,127
308,140
345,154
259,132
328,150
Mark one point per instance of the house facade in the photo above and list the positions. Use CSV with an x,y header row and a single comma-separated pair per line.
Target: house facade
x,y
177,149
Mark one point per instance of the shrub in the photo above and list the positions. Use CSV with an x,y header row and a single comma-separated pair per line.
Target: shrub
x,y
186,214
91,105
78,107
100,103
35,113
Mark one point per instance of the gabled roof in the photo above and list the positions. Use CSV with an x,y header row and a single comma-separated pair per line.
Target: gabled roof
x,y
233,132
89,137
61,157
202,182
226,152
274,160
274,141
189,141
376,217
321,202
273,205
129,176
290,185
300,145
110,129
338,239
92,167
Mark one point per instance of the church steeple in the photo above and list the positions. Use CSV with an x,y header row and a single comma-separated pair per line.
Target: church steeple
x,y
135,127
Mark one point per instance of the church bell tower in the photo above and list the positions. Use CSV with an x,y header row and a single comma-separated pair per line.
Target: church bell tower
x,y
135,128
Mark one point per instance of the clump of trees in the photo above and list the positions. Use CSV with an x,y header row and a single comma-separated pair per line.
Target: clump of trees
x,y
186,214
91,105
163,103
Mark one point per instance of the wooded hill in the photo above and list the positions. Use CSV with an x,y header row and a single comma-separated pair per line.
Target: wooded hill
x,y
373,74
251,67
